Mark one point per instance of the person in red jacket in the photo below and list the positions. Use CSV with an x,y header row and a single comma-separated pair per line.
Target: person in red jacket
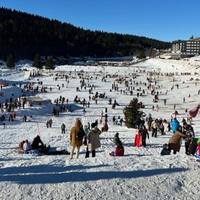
x,y
138,139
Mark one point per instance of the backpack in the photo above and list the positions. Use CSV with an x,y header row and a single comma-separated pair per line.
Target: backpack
x,y
80,134
165,151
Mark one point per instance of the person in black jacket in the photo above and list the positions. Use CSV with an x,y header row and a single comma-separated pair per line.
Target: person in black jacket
x,y
144,132
37,143
189,135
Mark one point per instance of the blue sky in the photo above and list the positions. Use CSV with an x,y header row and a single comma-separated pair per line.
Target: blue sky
x,y
160,19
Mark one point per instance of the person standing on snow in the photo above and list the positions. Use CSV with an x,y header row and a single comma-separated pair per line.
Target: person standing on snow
x,y
189,135
174,125
138,139
154,127
76,137
144,133
63,128
175,141
93,139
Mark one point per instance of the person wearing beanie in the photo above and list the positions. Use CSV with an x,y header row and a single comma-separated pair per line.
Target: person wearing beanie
x,y
93,139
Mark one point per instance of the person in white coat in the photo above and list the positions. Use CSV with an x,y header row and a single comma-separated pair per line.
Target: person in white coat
x,y
26,146
93,139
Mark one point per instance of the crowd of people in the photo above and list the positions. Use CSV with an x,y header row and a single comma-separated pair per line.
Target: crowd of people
x,y
89,135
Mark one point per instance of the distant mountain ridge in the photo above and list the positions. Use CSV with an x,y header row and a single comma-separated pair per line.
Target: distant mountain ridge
x,y
24,35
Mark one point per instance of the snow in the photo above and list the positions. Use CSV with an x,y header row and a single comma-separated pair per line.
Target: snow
x,y
141,174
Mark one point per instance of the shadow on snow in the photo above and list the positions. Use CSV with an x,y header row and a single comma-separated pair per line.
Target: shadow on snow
x,y
45,174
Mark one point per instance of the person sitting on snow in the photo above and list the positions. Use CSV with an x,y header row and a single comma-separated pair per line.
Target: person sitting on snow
x,y
37,143
20,147
119,151
26,146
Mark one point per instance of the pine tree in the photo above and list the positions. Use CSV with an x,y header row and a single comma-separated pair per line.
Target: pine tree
x,y
37,61
152,52
132,113
49,63
51,37
10,61
141,54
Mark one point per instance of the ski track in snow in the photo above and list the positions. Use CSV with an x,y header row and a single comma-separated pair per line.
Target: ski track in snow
x,y
141,174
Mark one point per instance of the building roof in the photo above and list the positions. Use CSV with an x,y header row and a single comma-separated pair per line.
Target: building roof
x,y
195,39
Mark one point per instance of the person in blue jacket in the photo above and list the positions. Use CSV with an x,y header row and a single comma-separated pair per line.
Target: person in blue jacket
x,y
174,125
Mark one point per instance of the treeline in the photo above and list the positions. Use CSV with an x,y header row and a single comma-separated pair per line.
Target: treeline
x,y
24,35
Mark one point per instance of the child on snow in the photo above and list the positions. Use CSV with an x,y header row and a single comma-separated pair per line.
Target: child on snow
x,y
197,155
119,151
27,146
63,128
198,147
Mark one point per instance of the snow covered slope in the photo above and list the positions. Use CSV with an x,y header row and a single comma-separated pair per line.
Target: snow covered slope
x,y
141,174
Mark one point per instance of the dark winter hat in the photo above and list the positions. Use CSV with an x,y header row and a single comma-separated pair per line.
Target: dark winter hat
x,y
93,125
184,123
117,134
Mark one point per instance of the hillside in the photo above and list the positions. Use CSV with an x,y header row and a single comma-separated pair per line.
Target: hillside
x,y
24,35
142,173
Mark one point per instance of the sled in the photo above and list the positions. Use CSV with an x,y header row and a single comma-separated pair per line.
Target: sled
x,y
138,140
51,151
194,111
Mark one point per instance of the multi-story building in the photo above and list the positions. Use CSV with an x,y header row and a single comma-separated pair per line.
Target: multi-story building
x,y
187,48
